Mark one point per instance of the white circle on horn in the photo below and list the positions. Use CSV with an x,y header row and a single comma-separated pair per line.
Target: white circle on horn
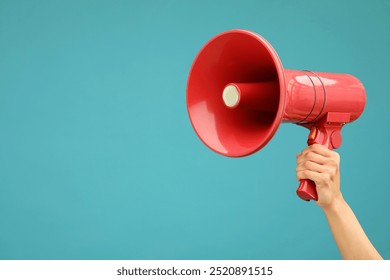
x,y
230,96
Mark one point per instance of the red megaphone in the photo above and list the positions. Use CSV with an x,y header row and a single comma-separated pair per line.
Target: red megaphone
x,y
238,93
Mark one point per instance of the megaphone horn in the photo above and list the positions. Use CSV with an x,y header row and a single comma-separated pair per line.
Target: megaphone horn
x,y
238,93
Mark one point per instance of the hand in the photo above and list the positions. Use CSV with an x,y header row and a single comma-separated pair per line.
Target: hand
x,y
321,165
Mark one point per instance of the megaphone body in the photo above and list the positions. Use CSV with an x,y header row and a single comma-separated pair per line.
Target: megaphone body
x,y
238,93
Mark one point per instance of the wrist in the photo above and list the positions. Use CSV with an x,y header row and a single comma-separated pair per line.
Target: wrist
x,y
337,205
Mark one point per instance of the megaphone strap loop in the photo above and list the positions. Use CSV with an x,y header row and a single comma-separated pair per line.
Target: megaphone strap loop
x,y
324,90
315,99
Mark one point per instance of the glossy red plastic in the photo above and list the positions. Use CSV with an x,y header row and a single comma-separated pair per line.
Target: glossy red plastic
x,y
268,95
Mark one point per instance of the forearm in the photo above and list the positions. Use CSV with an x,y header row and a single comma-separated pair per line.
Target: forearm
x,y
350,237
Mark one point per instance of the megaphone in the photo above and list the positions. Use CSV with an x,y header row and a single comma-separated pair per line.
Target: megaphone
x,y
238,93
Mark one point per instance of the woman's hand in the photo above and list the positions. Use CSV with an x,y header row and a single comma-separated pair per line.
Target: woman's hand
x,y
321,165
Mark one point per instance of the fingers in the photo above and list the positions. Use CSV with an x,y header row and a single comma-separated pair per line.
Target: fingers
x,y
318,149
320,179
317,163
309,174
313,171
309,155
318,154
312,166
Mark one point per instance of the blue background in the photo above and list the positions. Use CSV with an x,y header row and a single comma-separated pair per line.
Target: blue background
x,y
98,159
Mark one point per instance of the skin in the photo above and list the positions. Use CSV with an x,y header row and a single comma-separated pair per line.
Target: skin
x,y
321,165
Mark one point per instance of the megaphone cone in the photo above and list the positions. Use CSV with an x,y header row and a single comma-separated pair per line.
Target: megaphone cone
x,y
238,93
248,61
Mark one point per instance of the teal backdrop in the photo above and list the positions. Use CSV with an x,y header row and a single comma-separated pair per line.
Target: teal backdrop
x,y
98,159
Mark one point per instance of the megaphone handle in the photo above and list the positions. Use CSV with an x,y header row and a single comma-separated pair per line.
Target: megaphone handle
x,y
307,190
326,132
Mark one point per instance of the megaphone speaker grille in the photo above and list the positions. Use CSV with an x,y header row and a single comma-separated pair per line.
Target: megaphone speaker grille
x,y
236,93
